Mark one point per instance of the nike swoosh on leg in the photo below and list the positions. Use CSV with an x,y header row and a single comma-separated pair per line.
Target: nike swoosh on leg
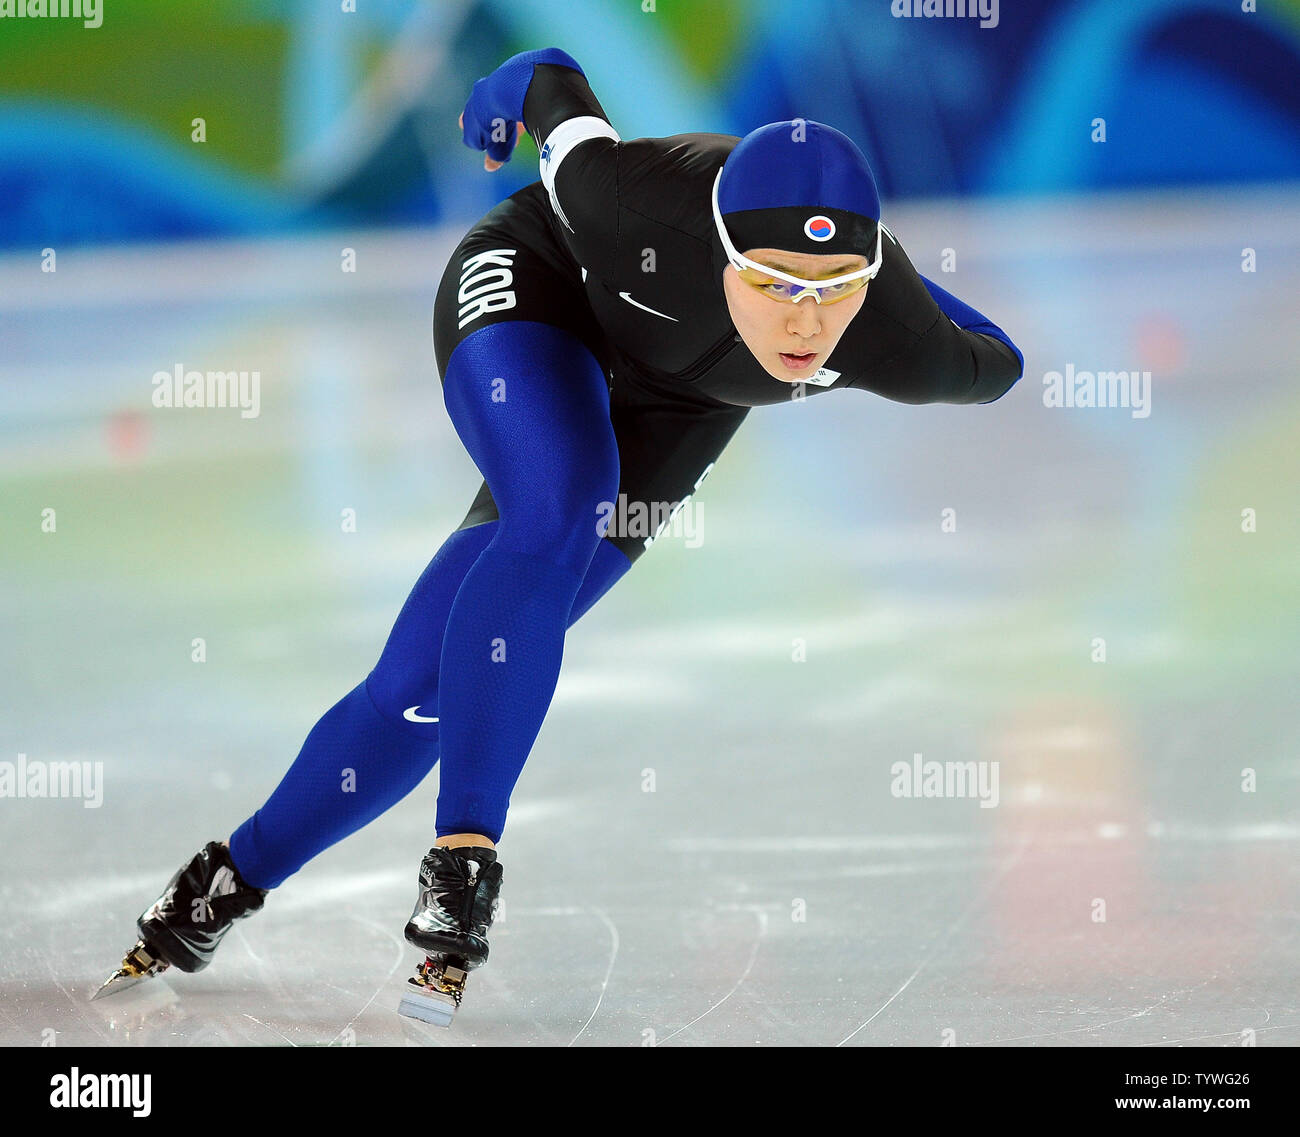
x,y
628,297
411,714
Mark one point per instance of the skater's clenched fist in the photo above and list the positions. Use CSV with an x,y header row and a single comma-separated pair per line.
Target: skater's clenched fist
x,y
489,163
493,118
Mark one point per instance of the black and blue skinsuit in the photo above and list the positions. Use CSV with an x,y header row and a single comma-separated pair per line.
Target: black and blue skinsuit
x,y
573,375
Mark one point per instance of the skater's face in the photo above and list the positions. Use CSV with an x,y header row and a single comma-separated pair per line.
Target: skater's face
x,y
792,340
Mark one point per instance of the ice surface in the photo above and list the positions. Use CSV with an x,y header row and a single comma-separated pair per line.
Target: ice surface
x,y
704,846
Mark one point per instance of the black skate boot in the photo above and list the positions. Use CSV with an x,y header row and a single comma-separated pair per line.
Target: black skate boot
x,y
456,907
183,927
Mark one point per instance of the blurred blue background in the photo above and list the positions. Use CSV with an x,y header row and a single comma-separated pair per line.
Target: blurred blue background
x,y
319,118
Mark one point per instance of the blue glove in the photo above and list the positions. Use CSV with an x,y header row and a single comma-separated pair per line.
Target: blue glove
x,y
497,102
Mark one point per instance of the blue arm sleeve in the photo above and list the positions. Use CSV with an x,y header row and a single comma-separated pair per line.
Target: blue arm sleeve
x,y
499,99
966,318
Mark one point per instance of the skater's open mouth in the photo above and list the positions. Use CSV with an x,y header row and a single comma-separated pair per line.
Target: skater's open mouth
x,y
797,362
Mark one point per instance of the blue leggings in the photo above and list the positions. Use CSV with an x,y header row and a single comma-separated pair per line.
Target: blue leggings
x,y
478,644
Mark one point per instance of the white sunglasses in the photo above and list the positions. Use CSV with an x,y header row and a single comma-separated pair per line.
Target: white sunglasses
x,y
810,287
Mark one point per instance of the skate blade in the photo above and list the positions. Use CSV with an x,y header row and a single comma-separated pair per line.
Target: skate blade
x,y
433,994
136,968
433,1007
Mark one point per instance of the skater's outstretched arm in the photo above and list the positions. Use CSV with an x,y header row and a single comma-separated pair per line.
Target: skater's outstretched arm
x,y
958,355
